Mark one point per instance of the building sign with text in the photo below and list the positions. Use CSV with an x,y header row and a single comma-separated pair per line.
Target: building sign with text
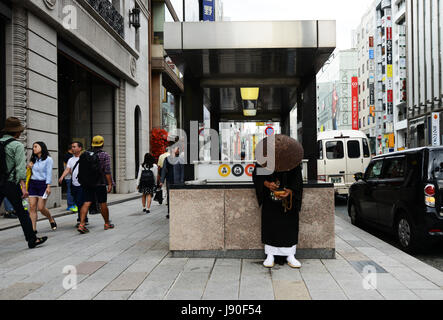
x,y
354,85
208,10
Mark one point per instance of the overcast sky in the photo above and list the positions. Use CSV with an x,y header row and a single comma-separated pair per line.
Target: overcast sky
x,y
347,13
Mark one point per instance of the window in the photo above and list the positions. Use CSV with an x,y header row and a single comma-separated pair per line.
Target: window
x,y
353,149
320,150
334,150
374,170
364,121
395,168
366,152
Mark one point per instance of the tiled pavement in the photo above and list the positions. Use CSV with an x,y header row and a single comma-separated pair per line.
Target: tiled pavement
x,y
133,262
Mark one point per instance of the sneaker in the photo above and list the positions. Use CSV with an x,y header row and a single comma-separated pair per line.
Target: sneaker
x,y
269,262
144,209
37,242
73,209
10,215
109,226
293,263
53,225
148,211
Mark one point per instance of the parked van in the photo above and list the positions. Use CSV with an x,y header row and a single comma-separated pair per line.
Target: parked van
x,y
402,192
342,153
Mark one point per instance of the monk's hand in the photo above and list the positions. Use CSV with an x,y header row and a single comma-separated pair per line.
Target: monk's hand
x,y
271,185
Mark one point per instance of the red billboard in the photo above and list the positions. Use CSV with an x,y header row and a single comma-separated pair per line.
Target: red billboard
x,y
354,85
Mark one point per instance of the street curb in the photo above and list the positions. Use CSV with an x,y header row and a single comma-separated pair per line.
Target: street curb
x,y
67,213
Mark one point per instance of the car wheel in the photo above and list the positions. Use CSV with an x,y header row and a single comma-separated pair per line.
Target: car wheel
x,y
354,214
406,234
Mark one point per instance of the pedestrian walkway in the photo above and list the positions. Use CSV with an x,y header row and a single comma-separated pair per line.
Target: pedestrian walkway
x,y
113,198
133,262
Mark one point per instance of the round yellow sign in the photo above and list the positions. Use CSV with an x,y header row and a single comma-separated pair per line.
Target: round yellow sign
x,y
224,170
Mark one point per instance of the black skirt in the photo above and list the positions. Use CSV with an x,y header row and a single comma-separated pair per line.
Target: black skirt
x,y
147,189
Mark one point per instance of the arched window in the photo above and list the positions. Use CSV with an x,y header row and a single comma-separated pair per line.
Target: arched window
x,y
137,135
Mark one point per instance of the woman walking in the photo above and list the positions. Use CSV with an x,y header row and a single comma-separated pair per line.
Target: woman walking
x,y
40,183
146,180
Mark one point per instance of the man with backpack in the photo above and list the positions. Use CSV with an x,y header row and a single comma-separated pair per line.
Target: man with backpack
x,y
94,175
13,176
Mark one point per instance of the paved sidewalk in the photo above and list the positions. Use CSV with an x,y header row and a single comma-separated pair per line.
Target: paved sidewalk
x,y
133,262
61,211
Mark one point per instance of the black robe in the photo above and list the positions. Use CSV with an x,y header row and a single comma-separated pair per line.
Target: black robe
x,y
279,228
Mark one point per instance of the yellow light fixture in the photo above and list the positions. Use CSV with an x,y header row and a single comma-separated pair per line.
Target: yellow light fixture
x,y
249,93
249,97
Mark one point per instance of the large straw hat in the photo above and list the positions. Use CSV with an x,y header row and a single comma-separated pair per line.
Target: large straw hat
x,y
288,152
12,124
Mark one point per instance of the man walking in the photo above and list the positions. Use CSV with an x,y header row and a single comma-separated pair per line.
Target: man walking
x,y
72,170
95,163
13,176
173,171
70,199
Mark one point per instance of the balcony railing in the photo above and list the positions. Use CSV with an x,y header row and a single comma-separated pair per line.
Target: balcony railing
x,y
107,11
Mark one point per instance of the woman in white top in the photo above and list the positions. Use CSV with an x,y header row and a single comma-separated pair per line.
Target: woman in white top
x,y
146,180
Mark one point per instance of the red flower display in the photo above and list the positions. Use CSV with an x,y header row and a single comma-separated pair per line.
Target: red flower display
x,y
159,142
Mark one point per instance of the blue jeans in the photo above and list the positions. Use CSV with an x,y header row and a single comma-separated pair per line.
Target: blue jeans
x,y
8,205
71,201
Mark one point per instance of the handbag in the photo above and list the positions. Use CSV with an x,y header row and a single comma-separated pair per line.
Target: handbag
x,y
28,177
158,195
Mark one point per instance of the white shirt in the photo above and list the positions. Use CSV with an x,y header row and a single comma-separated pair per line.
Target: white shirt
x,y
71,163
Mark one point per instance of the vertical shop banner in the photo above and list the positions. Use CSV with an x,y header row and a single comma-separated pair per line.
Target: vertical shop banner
x,y
354,84
208,10
435,129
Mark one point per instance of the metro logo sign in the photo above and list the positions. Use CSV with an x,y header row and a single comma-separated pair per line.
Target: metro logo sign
x,y
354,85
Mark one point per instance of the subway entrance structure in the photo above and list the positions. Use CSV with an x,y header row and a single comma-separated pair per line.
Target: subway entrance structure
x,y
217,60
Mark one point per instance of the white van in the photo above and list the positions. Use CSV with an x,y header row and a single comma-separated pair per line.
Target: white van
x,y
342,153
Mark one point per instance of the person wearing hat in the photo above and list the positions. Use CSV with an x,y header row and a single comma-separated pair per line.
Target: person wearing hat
x,y
100,190
279,193
12,182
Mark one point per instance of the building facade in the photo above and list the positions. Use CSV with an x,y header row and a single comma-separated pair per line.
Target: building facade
x,y
334,101
77,68
363,41
400,79
424,20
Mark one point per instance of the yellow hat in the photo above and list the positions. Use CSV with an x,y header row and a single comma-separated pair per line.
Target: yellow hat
x,y
98,141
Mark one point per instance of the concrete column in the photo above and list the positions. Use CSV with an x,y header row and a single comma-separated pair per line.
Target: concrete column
x,y
309,128
192,111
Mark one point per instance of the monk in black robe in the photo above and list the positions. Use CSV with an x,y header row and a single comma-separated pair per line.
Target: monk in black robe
x,y
279,226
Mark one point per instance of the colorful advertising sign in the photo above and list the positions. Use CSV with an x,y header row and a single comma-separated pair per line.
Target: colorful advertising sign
x,y
354,85
208,10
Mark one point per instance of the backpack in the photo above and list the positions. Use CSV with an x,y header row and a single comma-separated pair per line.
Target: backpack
x,y
4,174
147,177
89,169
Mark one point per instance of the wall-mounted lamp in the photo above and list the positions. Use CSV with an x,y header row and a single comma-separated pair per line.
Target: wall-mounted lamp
x,y
249,97
134,18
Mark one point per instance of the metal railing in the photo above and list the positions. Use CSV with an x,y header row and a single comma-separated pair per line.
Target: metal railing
x,y
107,11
